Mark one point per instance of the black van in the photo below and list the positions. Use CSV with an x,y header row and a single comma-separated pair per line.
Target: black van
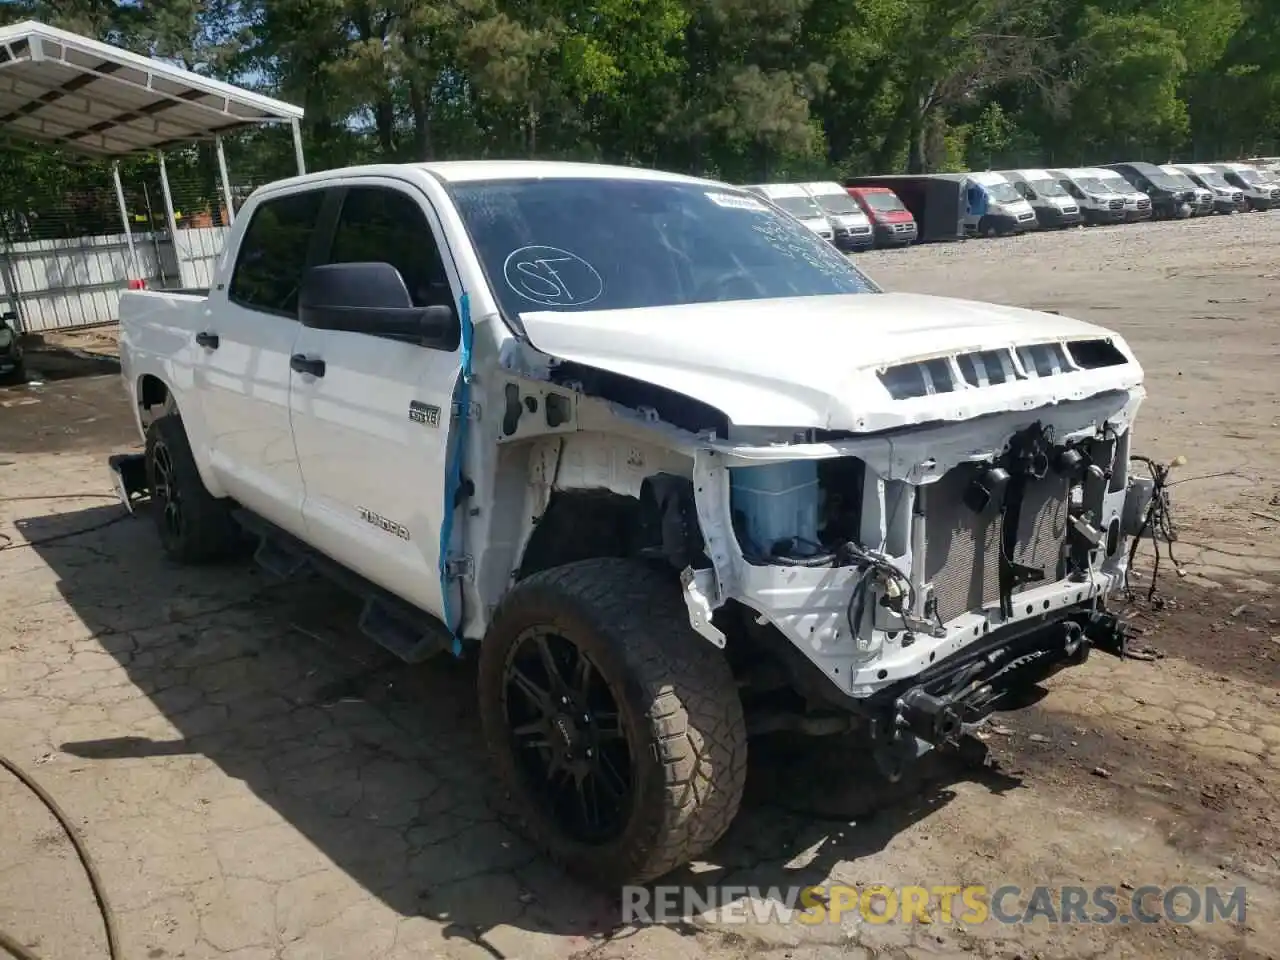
x,y
1168,198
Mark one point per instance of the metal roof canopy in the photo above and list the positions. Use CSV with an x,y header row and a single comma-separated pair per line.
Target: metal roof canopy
x,y
59,87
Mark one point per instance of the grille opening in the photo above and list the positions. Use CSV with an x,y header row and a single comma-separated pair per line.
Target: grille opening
x,y
985,363
1093,354
908,380
1042,360
904,382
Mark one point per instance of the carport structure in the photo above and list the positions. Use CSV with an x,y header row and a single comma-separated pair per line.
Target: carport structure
x,y
80,94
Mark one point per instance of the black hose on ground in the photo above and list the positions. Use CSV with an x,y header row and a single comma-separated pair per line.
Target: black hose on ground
x,y
15,948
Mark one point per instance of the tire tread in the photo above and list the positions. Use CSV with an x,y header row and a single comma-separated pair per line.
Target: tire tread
x,y
697,731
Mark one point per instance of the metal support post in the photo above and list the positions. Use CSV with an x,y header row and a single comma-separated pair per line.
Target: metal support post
x,y
134,265
226,181
297,145
172,218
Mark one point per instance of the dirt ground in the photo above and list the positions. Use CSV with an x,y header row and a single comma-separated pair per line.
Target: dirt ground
x,y
258,783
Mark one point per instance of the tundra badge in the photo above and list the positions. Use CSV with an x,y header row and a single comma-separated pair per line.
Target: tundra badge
x,y
368,516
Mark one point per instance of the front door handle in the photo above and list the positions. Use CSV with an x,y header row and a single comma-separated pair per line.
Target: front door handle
x,y
305,364
207,340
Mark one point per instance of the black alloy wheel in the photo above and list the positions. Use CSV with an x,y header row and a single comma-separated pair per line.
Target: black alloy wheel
x,y
566,730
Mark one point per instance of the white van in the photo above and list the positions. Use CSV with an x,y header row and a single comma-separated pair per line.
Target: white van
x,y
993,207
1137,205
796,200
1054,207
1269,165
1260,187
852,228
1098,201
1226,198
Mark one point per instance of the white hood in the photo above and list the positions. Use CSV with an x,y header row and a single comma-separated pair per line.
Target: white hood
x,y
813,362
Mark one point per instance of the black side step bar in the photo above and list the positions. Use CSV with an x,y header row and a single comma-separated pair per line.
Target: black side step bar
x,y
409,633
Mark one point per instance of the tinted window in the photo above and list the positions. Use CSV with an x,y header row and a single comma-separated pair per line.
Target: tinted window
x,y
273,253
610,244
380,225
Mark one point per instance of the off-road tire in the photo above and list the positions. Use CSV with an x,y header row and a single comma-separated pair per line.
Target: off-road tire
x,y
674,691
208,533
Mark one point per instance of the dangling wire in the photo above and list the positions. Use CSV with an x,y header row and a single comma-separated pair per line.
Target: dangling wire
x,y
1158,522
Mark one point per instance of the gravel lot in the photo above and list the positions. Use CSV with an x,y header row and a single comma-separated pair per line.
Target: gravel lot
x,y
256,782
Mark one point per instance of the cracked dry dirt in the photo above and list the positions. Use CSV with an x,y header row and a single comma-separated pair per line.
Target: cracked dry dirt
x,y
257,783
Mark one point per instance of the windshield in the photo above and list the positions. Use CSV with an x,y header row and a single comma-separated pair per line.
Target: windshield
x,y
617,244
884,202
1167,181
1214,179
1092,185
1252,177
839,204
1048,188
1121,185
1181,181
1002,192
803,207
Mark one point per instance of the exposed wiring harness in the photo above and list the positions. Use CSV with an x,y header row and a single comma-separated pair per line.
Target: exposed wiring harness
x,y
871,566
7,941
897,585
1156,522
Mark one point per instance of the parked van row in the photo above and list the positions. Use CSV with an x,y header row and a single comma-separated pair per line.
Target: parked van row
x,y
853,219
885,211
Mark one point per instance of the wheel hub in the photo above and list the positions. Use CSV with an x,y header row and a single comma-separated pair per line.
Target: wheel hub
x,y
568,734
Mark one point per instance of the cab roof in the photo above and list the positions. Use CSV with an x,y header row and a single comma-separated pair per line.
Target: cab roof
x,y
472,171
464,171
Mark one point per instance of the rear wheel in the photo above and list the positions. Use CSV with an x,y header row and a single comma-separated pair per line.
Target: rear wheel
x,y
194,526
616,730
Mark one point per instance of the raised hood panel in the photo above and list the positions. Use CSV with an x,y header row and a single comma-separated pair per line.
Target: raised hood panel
x,y
813,362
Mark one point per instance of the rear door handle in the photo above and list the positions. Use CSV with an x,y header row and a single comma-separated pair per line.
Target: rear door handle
x,y
304,364
207,340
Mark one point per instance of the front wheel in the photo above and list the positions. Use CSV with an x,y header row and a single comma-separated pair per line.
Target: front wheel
x,y
615,729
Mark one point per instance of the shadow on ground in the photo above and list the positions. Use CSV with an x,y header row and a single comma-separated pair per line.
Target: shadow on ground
x,y
381,766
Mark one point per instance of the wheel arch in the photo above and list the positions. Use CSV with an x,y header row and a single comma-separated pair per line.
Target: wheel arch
x,y
155,397
658,522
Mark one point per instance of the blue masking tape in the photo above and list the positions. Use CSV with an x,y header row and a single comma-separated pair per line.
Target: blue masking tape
x,y
453,472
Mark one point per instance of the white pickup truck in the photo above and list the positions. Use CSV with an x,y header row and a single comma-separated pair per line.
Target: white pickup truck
x,y
668,463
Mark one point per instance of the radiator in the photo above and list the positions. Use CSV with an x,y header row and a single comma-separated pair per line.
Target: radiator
x,y
962,548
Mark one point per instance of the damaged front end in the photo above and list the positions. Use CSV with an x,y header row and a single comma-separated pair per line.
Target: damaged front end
x,y
931,574
933,509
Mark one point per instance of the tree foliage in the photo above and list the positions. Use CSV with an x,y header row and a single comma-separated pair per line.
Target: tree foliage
x,y
743,89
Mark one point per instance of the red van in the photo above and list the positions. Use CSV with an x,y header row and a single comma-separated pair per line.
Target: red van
x,y
894,225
